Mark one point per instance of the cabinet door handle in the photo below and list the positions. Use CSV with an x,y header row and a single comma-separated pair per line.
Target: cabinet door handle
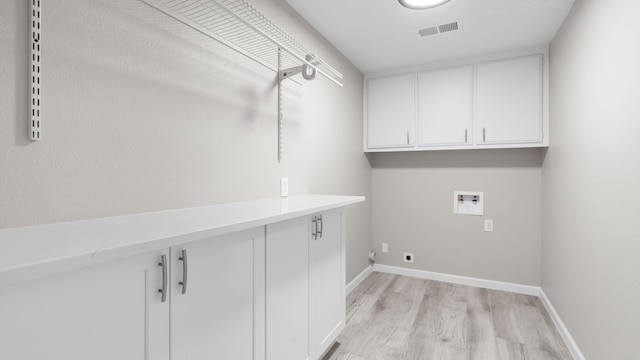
x,y
465,136
484,135
314,229
407,138
321,225
163,291
183,258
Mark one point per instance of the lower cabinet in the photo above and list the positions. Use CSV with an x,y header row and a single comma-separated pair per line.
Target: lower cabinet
x,y
305,283
276,294
196,304
213,286
287,284
101,312
327,281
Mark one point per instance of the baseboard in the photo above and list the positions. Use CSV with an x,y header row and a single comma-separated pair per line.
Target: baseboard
x,y
462,280
562,329
358,279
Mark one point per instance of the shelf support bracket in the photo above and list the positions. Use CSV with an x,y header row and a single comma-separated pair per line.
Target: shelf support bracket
x,y
308,72
280,116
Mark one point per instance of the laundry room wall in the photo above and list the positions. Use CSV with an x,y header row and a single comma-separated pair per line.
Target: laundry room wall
x,y
413,197
590,248
141,113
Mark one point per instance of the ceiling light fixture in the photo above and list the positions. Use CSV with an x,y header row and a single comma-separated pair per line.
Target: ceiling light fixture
x,y
422,4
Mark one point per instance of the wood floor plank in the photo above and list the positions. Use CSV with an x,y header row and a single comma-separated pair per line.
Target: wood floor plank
x,y
439,331
508,350
359,312
551,335
421,341
543,342
519,318
481,337
509,312
478,299
378,283
451,327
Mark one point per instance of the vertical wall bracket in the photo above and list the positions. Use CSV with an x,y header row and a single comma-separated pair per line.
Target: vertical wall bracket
x,y
308,72
35,120
280,116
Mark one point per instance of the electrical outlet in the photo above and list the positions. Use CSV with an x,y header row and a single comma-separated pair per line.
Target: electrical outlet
x,y
488,225
408,257
284,186
385,248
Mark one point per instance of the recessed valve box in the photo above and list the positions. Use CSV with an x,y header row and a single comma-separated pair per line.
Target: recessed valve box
x,y
468,202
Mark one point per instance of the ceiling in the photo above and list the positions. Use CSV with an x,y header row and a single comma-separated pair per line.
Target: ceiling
x,y
378,35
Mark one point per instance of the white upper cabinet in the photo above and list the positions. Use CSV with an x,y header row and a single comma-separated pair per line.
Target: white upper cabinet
x,y
445,106
509,101
391,111
498,101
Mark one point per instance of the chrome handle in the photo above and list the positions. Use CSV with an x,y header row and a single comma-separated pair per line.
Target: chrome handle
x,y
321,225
484,134
465,135
163,291
407,138
314,229
183,258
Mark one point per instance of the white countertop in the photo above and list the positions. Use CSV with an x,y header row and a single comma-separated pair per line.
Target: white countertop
x,y
35,251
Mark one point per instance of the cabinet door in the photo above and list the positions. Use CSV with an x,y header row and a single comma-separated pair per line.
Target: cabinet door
x,y
390,111
287,290
213,318
509,101
326,253
107,311
445,106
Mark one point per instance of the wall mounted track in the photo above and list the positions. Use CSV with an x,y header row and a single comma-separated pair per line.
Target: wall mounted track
x,y
34,118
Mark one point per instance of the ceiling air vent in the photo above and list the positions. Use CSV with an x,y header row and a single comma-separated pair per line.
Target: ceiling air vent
x,y
442,28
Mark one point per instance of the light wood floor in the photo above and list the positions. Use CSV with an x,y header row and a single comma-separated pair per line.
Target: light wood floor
x,y
404,318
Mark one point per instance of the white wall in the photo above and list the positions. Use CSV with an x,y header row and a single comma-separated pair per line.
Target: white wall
x,y
591,175
141,114
413,212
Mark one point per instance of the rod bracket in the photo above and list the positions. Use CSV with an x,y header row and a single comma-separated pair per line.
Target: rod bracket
x,y
308,69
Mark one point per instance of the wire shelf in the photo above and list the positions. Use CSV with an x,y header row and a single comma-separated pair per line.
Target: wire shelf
x,y
240,26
